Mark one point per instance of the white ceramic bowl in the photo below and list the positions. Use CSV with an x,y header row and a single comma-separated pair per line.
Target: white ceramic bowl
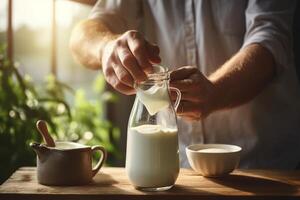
x,y
213,160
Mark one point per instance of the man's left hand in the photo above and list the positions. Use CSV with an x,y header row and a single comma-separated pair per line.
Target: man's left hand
x,y
197,92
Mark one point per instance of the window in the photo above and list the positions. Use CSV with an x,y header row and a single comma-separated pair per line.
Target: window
x,y
32,33
32,36
3,21
68,15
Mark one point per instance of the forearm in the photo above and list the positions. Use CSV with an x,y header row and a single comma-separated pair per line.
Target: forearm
x,y
242,78
88,40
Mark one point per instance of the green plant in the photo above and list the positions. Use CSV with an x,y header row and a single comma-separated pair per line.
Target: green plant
x,y
22,103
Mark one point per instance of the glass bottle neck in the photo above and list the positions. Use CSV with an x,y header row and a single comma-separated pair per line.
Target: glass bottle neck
x,y
158,78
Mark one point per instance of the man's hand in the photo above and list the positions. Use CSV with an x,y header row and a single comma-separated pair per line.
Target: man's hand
x,y
127,59
196,92
236,82
124,58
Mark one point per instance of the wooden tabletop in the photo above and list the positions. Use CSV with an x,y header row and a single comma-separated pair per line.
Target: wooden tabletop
x,y
112,183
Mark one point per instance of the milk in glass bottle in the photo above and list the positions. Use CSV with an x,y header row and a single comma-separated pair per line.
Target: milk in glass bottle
x,y
152,158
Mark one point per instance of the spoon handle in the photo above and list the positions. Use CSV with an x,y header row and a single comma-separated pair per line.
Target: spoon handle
x,y
42,128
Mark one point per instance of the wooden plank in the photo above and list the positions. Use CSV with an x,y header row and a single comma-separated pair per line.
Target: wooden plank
x,y
112,183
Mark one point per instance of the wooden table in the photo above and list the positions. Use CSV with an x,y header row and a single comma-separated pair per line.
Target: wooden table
x,y
112,183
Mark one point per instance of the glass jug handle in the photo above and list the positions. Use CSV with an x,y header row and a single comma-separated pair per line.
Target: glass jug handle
x,y
176,104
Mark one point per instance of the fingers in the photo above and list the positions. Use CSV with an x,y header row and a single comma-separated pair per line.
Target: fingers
x,y
195,89
183,73
130,64
190,118
138,55
183,85
138,48
127,59
190,110
189,96
196,98
122,74
116,83
117,76
153,53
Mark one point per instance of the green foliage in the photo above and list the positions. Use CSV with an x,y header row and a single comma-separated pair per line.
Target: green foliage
x,y
22,103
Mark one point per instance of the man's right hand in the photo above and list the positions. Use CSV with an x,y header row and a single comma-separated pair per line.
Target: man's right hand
x,y
127,59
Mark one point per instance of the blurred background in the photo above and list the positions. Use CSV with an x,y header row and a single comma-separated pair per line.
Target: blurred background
x,y
40,80
32,22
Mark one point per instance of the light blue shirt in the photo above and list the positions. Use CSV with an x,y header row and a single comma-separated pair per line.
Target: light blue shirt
x,y
206,33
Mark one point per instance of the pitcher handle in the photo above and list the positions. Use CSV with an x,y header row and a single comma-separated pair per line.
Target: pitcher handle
x,y
101,160
176,104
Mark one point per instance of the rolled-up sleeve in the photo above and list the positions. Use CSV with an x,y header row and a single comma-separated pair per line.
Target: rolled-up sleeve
x,y
269,23
118,15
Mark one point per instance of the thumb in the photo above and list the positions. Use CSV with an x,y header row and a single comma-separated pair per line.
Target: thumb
x,y
183,73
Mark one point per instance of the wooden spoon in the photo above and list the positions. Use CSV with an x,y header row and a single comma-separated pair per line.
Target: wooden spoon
x,y
42,128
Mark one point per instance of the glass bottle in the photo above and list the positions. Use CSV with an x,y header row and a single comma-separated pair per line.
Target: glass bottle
x,y
152,158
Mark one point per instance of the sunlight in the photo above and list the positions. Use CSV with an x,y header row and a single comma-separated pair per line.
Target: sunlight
x,y
3,15
65,11
32,13
37,13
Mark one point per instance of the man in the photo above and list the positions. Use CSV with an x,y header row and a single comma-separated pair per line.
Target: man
x,y
231,60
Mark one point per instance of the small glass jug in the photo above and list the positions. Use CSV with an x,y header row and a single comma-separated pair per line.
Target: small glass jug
x,y
152,158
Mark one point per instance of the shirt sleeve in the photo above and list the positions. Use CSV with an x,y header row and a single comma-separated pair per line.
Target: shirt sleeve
x,y
269,23
118,15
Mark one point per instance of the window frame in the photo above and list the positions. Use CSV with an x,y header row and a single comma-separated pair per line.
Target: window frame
x,y
10,38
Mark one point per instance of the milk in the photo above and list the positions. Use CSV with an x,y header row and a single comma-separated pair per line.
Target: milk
x,y
213,150
154,99
152,158
68,145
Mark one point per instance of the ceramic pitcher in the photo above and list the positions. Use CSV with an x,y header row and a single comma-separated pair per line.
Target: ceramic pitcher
x,y
66,164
